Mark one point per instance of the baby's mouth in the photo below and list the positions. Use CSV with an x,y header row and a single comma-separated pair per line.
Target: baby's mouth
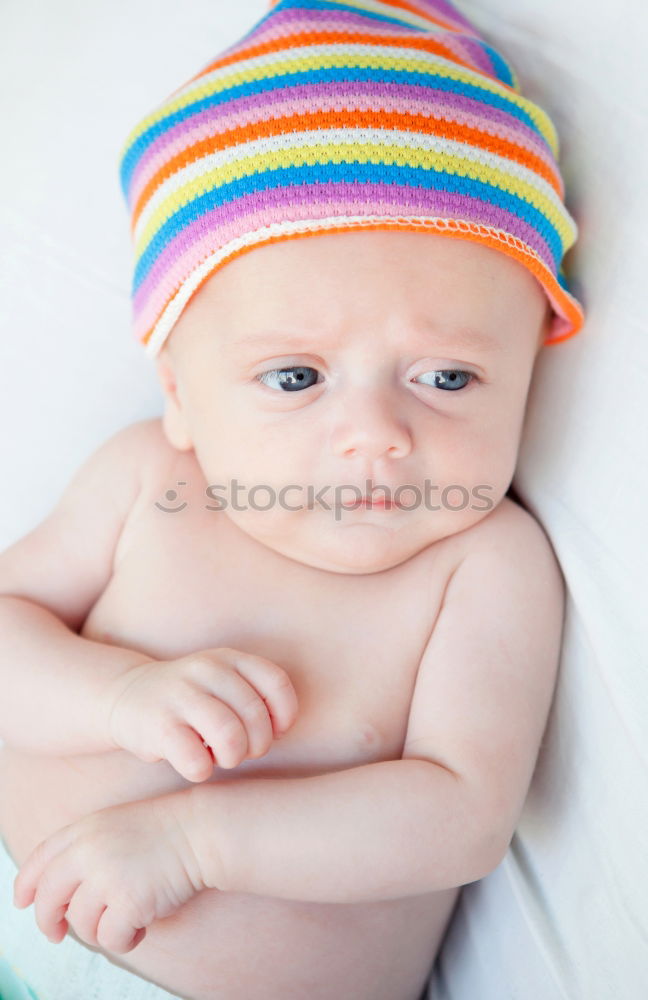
x,y
371,503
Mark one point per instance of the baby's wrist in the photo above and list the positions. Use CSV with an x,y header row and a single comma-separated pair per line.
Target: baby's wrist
x,y
113,692
198,810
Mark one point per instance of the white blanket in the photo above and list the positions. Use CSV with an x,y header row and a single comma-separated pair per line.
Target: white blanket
x,y
565,915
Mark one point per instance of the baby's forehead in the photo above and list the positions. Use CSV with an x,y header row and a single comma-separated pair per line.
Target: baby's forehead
x,y
318,290
326,276
369,255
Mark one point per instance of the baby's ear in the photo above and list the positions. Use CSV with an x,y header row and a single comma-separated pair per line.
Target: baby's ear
x,y
173,421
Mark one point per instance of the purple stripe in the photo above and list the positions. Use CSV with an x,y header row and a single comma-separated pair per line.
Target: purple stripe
x,y
476,54
445,9
468,44
428,95
356,197
294,18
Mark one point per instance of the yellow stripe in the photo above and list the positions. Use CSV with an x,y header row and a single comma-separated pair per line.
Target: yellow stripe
x,y
395,14
359,152
344,59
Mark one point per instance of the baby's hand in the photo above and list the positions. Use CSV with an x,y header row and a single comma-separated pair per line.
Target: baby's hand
x,y
114,871
216,706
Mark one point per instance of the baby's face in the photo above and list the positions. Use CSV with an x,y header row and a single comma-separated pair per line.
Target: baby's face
x,y
325,362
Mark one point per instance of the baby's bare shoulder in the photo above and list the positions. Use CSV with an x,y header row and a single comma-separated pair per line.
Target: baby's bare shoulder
x,y
509,569
141,456
510,530
145,442
159,464
148,463
65,562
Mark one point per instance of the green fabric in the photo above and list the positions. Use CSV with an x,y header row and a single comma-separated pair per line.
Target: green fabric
x,y
11,986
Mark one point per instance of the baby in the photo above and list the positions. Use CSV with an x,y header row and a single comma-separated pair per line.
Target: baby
x,y
278,664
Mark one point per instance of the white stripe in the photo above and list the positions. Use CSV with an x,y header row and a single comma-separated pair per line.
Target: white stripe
x,y
193,87
375,7
194,90
340,137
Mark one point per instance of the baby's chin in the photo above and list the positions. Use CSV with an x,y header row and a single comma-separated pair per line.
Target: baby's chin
x,y
352,543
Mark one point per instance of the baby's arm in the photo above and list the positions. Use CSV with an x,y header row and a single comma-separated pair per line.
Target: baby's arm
x,y
440,817
54,683
445,813
53,680
64,694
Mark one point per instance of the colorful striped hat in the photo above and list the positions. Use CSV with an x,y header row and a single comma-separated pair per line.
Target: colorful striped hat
x,y
333,116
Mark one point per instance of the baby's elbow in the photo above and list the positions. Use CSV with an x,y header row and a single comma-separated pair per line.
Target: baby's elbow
x,y
484,855
492,821
497,833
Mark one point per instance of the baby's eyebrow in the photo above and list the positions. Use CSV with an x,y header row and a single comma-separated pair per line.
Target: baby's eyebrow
x,y
462,337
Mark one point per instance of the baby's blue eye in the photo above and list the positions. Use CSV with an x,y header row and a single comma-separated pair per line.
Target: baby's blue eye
x,y
447,379
291,379
297,377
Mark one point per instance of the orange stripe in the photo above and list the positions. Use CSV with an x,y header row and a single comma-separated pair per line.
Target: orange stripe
x,y
434,19
349,119
405,6
339,38
476,233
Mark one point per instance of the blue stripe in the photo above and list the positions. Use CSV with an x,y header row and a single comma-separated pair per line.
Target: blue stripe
x,y
562,280
500,66
365,173
328,6
314,77
348,8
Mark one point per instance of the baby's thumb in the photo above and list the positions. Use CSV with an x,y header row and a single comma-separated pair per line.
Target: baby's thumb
x,y
186,752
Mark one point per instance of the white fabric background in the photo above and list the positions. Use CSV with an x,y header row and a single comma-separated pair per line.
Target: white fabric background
x,y
566,913
565,916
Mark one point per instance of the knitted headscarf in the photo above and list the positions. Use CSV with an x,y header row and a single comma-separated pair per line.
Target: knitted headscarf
x,y
335,116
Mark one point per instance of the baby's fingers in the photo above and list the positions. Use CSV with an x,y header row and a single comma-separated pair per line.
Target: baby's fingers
x,y
272,685
116,934
184,750
31,870
55,889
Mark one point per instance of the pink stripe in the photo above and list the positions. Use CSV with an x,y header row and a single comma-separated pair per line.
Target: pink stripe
x,y
230,221
293,21
351,23
181,137
447,11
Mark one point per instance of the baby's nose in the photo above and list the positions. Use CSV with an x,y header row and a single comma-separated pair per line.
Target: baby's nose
x,y
373,429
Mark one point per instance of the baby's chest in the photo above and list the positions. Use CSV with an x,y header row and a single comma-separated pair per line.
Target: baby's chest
x,y
351,645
